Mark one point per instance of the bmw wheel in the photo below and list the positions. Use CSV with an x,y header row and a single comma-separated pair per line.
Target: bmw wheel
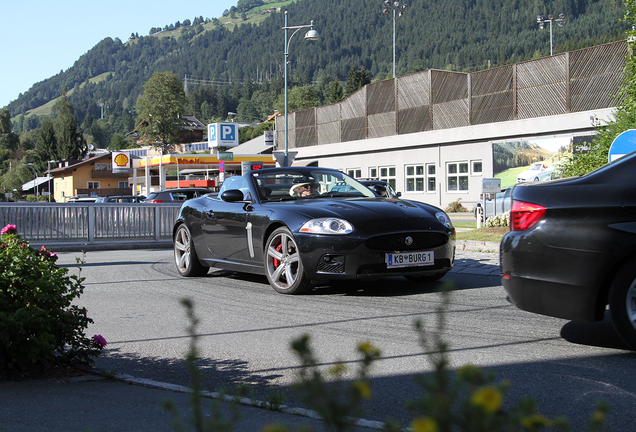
x,y
185,256
283,266
622,301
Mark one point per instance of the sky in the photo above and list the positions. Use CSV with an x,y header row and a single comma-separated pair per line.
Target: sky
x,y
42,38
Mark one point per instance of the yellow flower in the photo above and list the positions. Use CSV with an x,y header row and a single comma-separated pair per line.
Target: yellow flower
x,y
363,388
368,349
598,416
487,398
535,421
337,369
424,424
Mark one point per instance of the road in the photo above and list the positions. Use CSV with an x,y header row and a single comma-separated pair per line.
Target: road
x,y
245,331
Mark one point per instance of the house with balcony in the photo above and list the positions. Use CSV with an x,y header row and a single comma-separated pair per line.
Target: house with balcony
x,y
89,177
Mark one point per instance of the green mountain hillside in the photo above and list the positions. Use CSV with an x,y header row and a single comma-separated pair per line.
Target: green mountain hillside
x,y
235,62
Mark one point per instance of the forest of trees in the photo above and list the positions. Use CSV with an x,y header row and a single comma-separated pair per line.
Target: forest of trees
x,y
240,68
246,64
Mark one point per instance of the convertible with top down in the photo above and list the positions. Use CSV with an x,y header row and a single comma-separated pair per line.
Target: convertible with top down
x,y
302,226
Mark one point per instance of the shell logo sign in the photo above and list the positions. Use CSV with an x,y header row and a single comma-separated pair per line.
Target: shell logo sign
x,y
121,163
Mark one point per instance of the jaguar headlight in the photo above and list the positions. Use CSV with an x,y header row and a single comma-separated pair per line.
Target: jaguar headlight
x,y
444,219
331,226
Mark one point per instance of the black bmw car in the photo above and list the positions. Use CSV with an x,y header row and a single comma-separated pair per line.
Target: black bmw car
x,y
303,226
571,250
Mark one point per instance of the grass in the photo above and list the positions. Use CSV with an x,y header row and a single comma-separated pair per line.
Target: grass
x,y
509,177
493,234
47,108
254,16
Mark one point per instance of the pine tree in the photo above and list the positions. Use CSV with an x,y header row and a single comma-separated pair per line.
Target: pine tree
x,y
71,144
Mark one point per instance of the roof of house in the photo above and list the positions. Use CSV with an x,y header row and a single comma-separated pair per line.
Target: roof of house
x,y
192,123
32,183
253,146
78,164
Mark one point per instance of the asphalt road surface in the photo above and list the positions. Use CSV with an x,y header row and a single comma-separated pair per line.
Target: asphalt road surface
x,y
246,328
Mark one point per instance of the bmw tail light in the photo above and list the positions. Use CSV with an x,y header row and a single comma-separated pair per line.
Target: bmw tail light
x,y
524,216
154,201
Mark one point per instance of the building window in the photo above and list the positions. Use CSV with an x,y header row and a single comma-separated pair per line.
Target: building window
x,y
415,178
387,174
92,185
373,172
477,168
431,179
102,167
457,176
123,185
354,172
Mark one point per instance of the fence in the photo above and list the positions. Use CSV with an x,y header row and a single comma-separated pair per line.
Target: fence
x,y
576,81
92,224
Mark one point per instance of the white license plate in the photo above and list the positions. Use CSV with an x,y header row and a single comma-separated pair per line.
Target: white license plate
x,y
409,259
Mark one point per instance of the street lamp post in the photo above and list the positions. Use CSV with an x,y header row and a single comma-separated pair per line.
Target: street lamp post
x,y
48,176
310,35
245,115
35,182
541,22
396,6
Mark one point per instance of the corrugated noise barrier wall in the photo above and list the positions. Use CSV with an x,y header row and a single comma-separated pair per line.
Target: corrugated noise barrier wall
x,y
575,81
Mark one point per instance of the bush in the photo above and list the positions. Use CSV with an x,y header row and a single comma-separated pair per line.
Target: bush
x,y
502,220
456,207
39,325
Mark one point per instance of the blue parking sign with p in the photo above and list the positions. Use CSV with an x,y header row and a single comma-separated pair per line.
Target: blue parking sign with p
x,y
222,135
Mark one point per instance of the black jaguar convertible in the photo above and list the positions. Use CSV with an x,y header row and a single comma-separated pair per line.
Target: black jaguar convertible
x,y
302,226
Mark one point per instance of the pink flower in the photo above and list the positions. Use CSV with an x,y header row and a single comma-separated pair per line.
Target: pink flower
x,y
100,340
9,229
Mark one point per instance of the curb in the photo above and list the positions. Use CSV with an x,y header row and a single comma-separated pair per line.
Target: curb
x,y
476,246
301,412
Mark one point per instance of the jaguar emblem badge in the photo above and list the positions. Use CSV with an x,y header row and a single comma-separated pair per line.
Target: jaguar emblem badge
x,y
408,241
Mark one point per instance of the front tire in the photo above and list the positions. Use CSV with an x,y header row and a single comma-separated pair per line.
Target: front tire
x,y
185,255
283,266
622,302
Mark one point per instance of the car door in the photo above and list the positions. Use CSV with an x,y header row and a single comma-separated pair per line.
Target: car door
x,y
225,231
224,226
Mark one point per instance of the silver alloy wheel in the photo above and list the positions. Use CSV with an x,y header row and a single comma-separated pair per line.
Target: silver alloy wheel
x,y
185,254
283,266
182,250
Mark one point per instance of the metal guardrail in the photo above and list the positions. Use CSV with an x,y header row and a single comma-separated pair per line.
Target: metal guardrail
x,y
93,224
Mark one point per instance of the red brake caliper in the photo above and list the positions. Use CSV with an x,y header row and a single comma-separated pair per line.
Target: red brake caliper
x,y
279,248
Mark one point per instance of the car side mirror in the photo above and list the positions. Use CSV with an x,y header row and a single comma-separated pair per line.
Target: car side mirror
x,y
398,194
232,195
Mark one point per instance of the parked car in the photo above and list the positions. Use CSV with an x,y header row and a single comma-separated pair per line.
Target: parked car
x,y
121,199
306,225
82,200
177,194
492,207
380,187
538,171
571,250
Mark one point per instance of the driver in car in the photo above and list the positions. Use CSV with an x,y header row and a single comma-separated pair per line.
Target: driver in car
x,y
304,189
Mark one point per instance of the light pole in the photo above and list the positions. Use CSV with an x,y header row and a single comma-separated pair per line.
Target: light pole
x,y
245,115
541,21
396,6
310,35
48,176
35,183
